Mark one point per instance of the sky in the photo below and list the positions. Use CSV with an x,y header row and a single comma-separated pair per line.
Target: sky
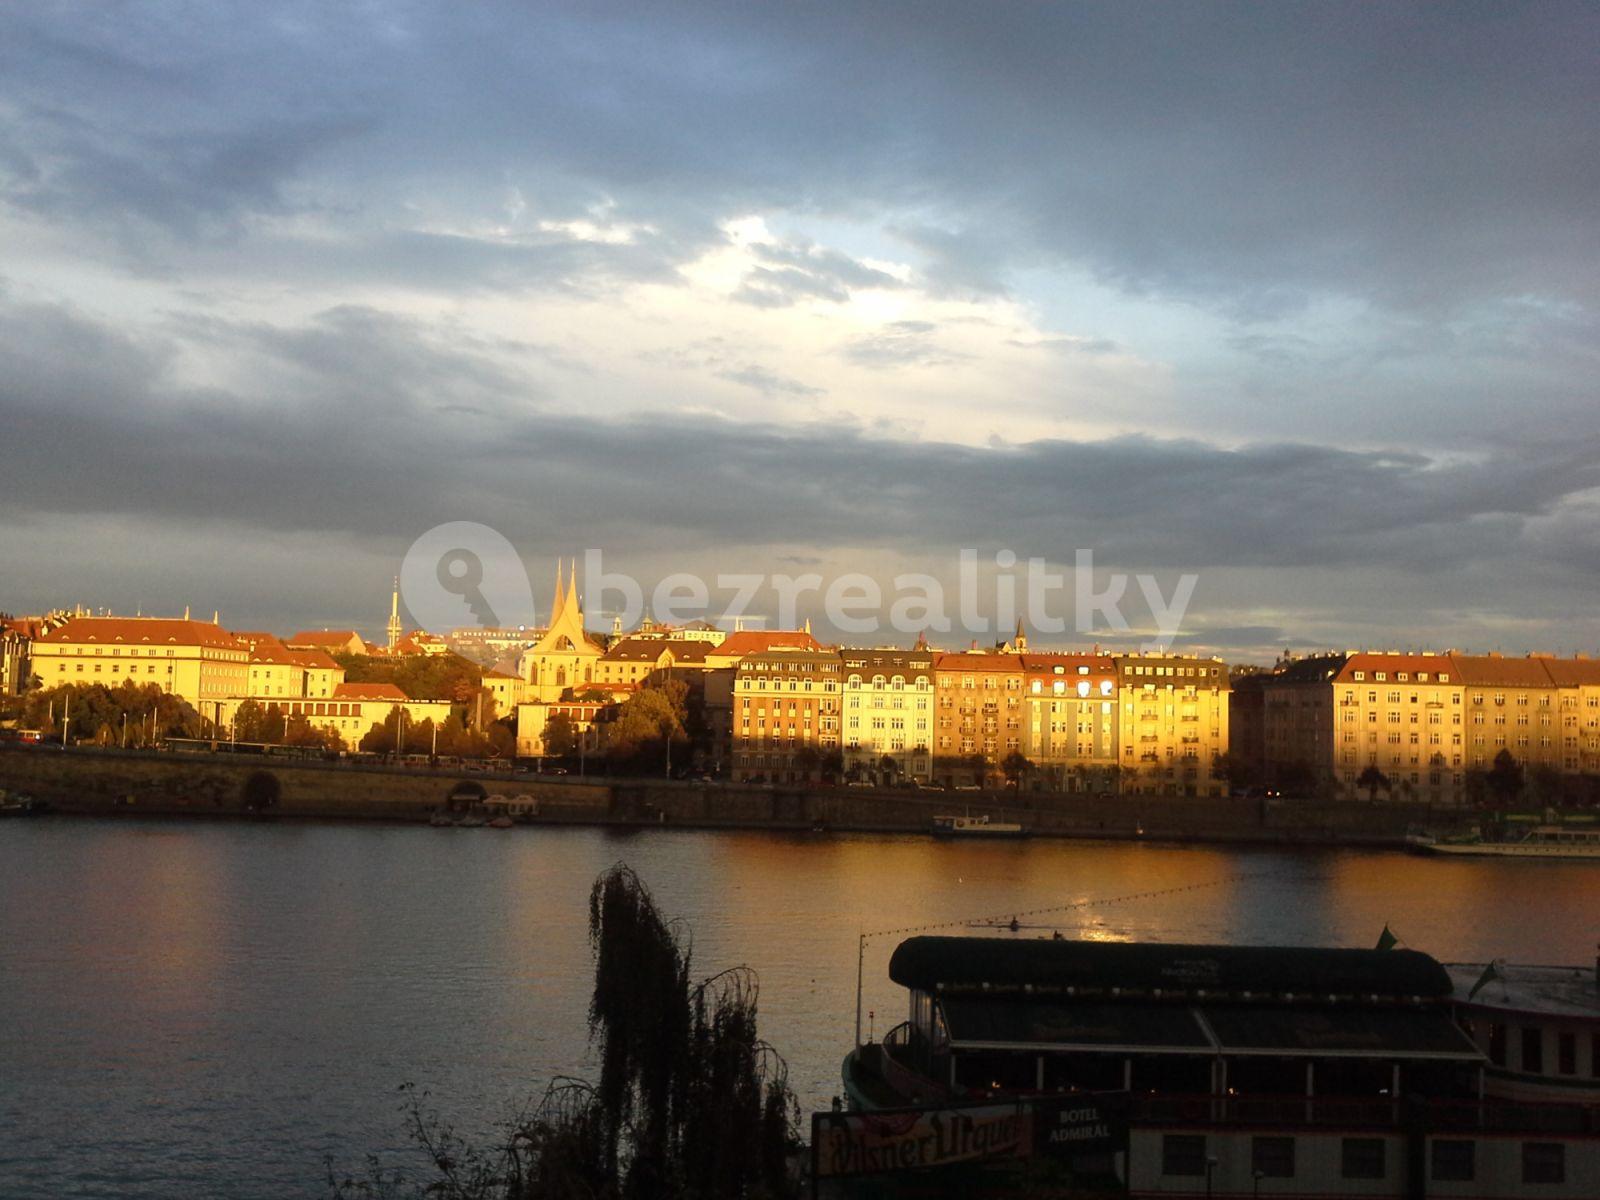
x,y
1298,299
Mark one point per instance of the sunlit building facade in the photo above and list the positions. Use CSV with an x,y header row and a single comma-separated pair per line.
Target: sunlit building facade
x,y
1070,719
197,661
888,712
978,714
1174,725
786,707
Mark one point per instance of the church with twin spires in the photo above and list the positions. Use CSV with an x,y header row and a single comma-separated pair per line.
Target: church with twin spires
x,y
565,657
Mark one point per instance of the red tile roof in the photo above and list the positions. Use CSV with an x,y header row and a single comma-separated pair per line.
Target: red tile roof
x,y
979,662
757,641
1491,670
1370,662
1574,672
1046,664
368,691
324,637
141,631
313,660
268,652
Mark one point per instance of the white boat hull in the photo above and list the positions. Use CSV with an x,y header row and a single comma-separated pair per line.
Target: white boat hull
x,y
1510,850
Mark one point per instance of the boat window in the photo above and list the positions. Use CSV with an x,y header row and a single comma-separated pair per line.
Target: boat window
x,y
1362,1158
1453,1160
1533,1051
1567,1053
1497,1043
1183,1154
1544,1162
1272,1157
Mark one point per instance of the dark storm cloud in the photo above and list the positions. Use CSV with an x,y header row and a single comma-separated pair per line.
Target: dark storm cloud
x,y
1426,172
1249,156
330,435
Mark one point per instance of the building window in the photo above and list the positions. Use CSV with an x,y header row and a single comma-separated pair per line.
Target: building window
x,y
1183,1154
1544,1162
1362,1158
1453,1161
1272,1157
1533,1051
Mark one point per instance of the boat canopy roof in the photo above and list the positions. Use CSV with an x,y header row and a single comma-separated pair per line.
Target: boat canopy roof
x,y
1281,1031
971,964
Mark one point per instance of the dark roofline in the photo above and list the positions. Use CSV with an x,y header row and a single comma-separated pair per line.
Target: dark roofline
x,y
956,964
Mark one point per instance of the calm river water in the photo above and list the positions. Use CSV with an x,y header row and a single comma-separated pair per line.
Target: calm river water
x,y
191,1009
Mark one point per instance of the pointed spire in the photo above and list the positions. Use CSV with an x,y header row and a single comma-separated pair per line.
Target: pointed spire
x,y
394,628
216,616
574,596
556,604
185,612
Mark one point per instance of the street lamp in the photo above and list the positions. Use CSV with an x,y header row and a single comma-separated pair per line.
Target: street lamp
x,y
1211,1165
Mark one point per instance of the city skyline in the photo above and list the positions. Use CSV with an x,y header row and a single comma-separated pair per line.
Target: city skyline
x,y
1297,300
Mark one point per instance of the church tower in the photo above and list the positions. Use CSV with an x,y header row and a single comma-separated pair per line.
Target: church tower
x,y
564,658
394,617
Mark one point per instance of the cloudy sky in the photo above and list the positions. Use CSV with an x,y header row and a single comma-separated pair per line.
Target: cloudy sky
x,y
1299,298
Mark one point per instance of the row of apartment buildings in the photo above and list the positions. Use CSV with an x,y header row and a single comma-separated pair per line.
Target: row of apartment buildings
x,y
779,706
1427,722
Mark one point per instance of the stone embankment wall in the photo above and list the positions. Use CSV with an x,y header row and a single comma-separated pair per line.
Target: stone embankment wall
x,y
221,785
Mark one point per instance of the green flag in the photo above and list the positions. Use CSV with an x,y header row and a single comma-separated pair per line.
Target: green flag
x,y
1386,939
1491,972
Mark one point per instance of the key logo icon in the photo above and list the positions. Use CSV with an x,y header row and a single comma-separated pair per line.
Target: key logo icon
x,y
463,573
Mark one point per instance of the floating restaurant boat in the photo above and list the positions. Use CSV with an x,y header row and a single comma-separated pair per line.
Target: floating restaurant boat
x,y
1542,841
1189,1070
1538,1028
976,827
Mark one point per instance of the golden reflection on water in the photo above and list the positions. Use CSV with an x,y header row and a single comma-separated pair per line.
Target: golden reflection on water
x,y
267,986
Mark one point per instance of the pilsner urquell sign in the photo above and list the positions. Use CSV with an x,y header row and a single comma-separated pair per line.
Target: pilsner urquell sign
x,y
868,1143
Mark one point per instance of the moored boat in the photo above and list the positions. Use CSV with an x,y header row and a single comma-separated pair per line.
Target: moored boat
x,y
1542,841
975,827
1187,1070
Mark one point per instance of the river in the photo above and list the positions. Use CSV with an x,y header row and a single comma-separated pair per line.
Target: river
x,y
192,1009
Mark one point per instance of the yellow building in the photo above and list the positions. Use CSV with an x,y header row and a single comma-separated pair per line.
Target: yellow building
x,y
1577,682
565,658
534,718
275,673
786,714
1174,724
888,710
718,669
16,641
197,661
1070,720
978,706
322,674
1401,713
506,691
1509,704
